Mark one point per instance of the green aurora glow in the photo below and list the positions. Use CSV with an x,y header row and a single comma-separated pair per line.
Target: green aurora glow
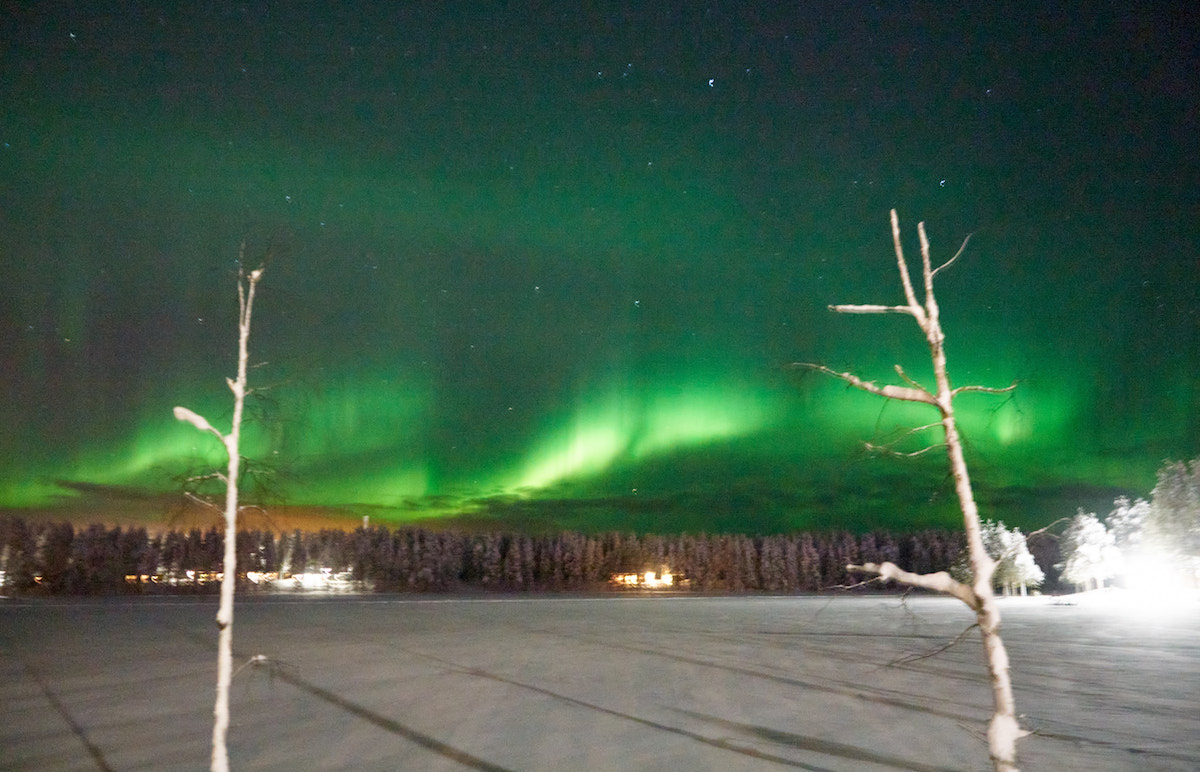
x,y
525,283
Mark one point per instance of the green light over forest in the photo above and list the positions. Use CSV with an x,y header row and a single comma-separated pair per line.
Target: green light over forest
x,y
530,270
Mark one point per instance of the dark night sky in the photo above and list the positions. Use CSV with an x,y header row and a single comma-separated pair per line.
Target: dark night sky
x,y
551,266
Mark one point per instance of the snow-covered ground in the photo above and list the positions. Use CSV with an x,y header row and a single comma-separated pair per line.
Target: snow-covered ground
x,y
610,683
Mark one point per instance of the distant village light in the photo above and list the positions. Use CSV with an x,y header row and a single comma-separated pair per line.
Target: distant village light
x,y
650,580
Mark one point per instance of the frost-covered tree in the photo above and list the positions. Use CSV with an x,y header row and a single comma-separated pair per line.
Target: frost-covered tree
x,y
1159,539
1090,554
246,287
1003,729
1127,522
1172,523
1016,570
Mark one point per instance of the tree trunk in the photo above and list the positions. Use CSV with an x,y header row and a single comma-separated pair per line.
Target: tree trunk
x,y
1003,730
220,752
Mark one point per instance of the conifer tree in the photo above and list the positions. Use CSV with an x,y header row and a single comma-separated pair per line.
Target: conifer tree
x,y
1090,554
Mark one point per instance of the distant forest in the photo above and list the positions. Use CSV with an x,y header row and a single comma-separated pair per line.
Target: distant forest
x,y
58,559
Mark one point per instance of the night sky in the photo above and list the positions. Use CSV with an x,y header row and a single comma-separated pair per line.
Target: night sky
x,y
537,266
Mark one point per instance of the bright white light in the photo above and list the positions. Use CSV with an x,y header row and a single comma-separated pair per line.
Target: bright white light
x,y
1155,585
1150,573
1141,606
311,580
649,580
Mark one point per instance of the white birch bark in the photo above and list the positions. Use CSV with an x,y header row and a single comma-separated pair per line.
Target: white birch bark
x,y
1003,729
220,751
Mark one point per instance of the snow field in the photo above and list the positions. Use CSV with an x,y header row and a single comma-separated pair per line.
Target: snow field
x,y
603,683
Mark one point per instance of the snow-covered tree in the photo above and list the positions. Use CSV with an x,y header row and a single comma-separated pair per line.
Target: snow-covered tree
x,y
1172,523
1159,540
1090,554
1016,570
1021,570
1127,522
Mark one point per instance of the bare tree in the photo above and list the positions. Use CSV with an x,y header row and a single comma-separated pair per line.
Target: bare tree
x,y
246,287
1003,730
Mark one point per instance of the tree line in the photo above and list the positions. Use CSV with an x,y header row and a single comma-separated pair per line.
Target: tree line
x,y
59,559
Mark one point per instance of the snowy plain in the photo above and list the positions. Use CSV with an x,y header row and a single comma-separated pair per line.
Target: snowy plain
x,y
617,682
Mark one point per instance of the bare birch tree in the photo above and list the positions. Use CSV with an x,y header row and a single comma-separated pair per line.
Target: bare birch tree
x,y
246,287
1003,730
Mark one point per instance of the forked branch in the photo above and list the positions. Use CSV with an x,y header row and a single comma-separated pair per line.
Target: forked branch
x,y
1003,730
888,390
939,581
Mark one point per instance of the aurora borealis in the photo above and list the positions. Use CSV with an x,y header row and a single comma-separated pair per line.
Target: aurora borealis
x,y
550,266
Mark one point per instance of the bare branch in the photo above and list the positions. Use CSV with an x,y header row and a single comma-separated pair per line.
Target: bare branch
x,y
914,307
1012,551
202,501
911,454
984,389
931,326
909,659
926,270
940,581
915,430
957,254
889,447
909,381
864,583
187,416
1045,531
888,390
852,308
258,660
202,477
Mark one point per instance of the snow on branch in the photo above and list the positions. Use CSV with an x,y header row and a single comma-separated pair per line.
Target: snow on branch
x,y
891,391
198,421
939,581
914,307
855,308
